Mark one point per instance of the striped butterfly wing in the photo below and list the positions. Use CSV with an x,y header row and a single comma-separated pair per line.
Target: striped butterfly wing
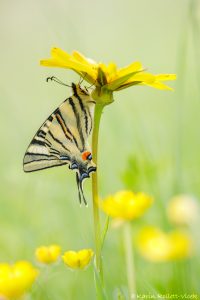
x,y
63,135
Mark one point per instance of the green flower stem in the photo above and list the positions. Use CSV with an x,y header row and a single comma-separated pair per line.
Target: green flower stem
x,y
130,269
97,227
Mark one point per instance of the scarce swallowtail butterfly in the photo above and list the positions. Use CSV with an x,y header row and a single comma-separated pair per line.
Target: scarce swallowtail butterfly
x,y
63,138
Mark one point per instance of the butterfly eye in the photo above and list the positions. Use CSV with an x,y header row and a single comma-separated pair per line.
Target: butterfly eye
x,y
86,155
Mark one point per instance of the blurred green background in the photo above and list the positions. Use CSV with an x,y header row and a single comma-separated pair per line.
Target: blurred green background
x,y
159,130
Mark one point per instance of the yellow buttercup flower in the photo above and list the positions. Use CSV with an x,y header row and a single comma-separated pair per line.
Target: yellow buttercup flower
x,y
126,205
78,259
183,209
48,254
182,246
16,279
158,246
106,78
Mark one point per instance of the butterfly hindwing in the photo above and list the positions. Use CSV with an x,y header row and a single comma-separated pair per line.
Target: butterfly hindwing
x,y
62,135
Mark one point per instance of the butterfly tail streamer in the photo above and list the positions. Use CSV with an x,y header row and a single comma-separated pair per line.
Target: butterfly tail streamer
x,y
78,185
81,188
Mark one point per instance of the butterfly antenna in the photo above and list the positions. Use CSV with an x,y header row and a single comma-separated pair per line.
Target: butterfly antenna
x,y
78,185
82,79
53,78
89,87
81,188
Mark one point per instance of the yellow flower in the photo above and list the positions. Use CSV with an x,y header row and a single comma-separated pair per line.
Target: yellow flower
x,y
183,209
106,78
158,246
48,254
181,244
16,279
126,205
78,259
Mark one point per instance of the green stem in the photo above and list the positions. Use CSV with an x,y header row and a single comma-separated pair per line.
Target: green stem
x,y
97,227
130,268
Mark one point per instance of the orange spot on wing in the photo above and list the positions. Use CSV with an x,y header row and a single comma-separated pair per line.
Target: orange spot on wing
x,y
85,155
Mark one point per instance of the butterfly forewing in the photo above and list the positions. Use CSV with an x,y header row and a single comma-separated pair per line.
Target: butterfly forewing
x,y
62,135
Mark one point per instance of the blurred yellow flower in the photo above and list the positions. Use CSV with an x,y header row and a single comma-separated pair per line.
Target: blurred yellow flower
x,y
48,254
107,76
158,246
182,246
126,205
16,279
78,259
183,209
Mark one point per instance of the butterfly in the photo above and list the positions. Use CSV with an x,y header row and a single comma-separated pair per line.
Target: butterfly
x,y
63,138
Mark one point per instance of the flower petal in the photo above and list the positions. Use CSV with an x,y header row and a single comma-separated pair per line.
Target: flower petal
x,y
59,54
150,80
164,77
158,246
159,85
82,59
78,260
126,205
134,67
182,245
63,60
116,84
111,71
16,279
47,254
85,256
70,258
154,244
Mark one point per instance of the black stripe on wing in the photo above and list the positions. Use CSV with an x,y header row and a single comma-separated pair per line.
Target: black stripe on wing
x,y
91,121
78,121
65,128
44,142
48,159
41,133
58,141
46,150
36,154
82,107
63,125
34,165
